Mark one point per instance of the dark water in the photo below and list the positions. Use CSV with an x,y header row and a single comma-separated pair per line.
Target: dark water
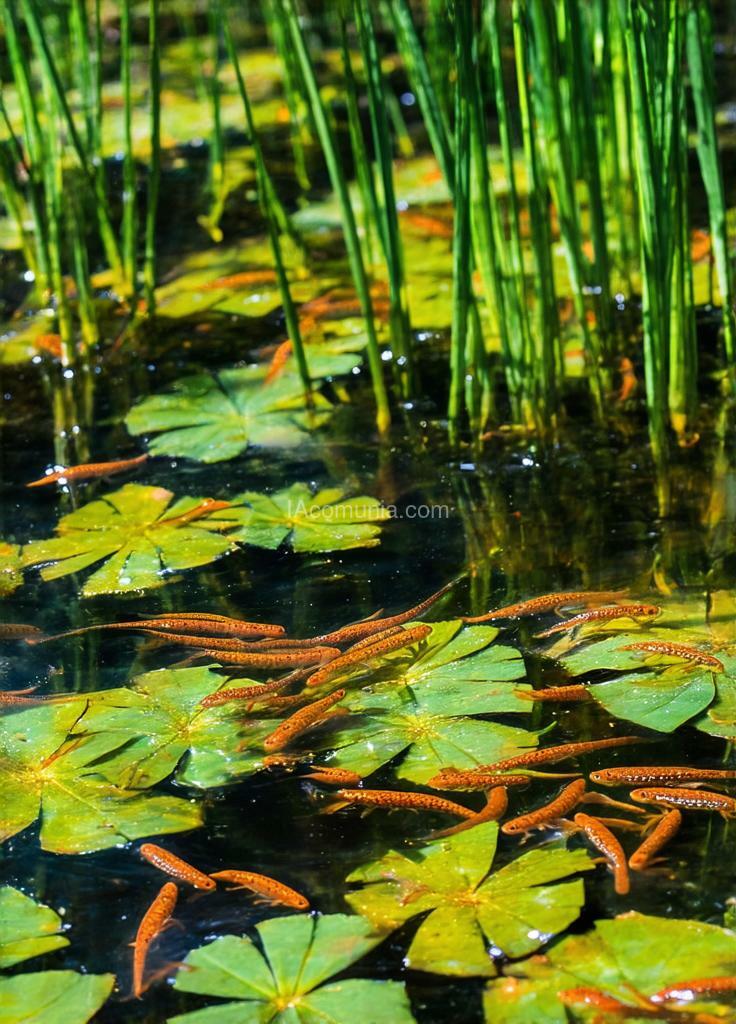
x,y
520,517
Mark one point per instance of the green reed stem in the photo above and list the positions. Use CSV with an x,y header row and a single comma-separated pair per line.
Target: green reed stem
x,y
94,178
541,39
388,221
702,82
265,189
287,9
370,216
129,225
461,239
154,170
545,332
417,69
299,114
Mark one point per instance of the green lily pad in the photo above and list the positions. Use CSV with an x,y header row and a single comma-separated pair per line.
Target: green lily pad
x,y
11,571
325,521
213,417
421,702
135,530
285,979
27,928
157,728
632,952
720,717
663,697
473,916
46,768
54,997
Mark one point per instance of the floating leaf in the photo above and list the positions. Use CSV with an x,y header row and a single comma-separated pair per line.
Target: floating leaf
x,y
135,530
420,702
27,928
43,771
54,997
212,417
662,697
634,951
157,727
282,980
11,574
473,915
325,521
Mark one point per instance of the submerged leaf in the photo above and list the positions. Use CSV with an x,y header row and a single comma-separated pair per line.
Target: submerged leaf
x,y
631,954
212,417
140,534
474,915
54,997
282,980
27,928
419,701
47,768
325,521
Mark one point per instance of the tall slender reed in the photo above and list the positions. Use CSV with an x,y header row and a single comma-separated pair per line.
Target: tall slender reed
x,y
265,189
154,171
461,241
94,177
388,221
288,10
130,212
702,83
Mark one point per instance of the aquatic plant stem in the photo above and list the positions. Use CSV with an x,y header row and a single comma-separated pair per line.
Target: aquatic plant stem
x,y
154,171
287,9
129,225
265,189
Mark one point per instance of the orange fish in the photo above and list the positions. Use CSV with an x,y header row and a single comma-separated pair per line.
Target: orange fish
x,y
271,890
698,988
675,650
244,692
572,692
333,776
175,866
667,775
688,800
394,800
547,815
663,831
700,247
273,659
432,227
629,382
50,343
369,627
622,611
153,922
497,802
194,625
244,279
604,840
88,471
19,631
452,778
362,652
549,755
547,603
280,359
300,721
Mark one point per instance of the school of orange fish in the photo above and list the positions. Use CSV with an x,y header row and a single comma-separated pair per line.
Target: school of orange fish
x,y
315,661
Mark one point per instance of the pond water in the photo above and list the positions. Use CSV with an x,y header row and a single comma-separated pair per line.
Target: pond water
x,y
506,519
